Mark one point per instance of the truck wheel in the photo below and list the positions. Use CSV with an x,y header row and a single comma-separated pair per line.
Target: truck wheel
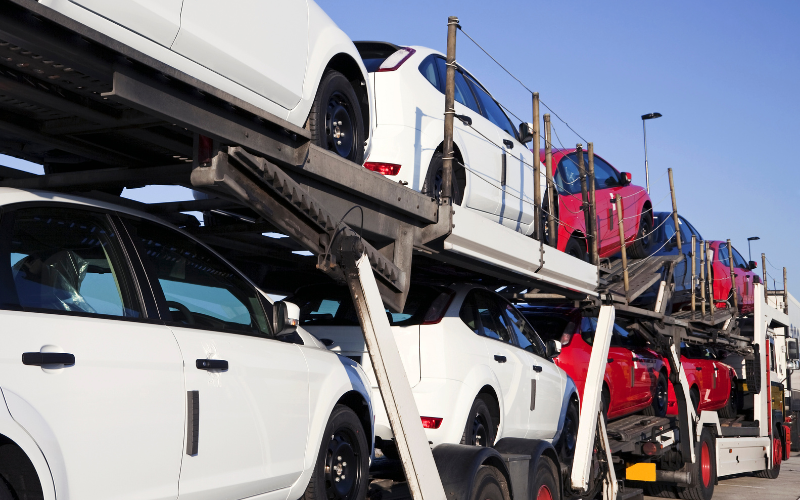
x,y
545,484
641,245
660,398
480,429
490,484
335,121
342,468
777,458
704,471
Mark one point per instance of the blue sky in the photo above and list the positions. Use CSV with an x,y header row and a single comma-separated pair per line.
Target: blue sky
x,y
724,75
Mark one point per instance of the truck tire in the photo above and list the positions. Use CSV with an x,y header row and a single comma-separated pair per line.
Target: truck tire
x,y
490,484
777,457
795,431
545,484
342,468
704,470
479,430
335,121
661,490
660,398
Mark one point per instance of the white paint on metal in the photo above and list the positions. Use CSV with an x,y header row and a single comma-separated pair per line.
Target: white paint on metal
x,y
691,415
660,299
610,486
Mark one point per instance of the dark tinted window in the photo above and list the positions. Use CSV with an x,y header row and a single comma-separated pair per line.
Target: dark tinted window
x,y
624,338
588,329
429,71
738,260
526,336
549,327
491,110
66,260
604,174
200,289
691,228
669,228
567,175
482,314
463,94
723,254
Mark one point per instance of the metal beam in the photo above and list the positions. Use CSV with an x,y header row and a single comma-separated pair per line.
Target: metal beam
x,y
165,175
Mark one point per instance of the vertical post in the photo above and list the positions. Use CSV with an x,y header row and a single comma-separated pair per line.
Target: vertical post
x,y
449,112
674,210
712,305
764,272
703,278
785,294
733,279
584,196
694,273
592,206
621,222
537,180
551,197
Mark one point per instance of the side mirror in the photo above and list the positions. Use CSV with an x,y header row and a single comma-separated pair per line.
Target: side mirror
x,y
752,265
285,318
792,351
553,348
525,133
626,178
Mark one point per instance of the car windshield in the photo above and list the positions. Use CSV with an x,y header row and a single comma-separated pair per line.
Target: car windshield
x,y
332,306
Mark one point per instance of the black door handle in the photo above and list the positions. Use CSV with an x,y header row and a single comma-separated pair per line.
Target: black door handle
x,y
699,368
212,364
610,360
508,144
466,120
47,358
499,359
537,369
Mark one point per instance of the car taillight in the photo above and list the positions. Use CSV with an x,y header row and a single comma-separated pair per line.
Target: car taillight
x,y
396,60
431,422
382,168
566,338
438,308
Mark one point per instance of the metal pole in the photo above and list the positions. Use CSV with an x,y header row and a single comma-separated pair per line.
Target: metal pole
x,y
449,112
646,168
674,210
694,273
551,198
785,294
703,278
733,279
764,272
584,195
621,222
712,305
592,207
537,180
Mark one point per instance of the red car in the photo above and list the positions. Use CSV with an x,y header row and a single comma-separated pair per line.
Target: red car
x,y
636,377
711,382
609,183
744,278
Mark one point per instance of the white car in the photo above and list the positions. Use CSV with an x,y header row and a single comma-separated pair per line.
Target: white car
x,y
493,172
139,364
478,370
286,57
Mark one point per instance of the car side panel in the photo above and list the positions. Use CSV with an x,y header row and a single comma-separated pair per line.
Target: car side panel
x,y
158,20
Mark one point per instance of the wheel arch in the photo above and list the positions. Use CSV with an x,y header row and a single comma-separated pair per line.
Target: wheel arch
x,y
360,406
346,65
19,472
489,396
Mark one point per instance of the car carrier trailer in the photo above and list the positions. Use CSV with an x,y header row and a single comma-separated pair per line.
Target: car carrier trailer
x,y
101,116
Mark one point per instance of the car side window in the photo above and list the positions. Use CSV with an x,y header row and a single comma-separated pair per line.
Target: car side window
x,y
723,255
200,289
588,329
669,228
738,260
605,176
65,260
691,229
491,110
490,316
567,175
623,338
428,70
526,336
463,94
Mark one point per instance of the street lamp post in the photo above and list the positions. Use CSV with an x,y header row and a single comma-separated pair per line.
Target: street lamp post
x,y
648,116
749,254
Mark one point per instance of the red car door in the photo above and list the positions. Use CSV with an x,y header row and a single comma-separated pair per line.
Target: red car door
x,y
607,187
747,281
622,376
643,361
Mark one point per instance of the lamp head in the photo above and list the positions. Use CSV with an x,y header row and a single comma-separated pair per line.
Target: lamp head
x,y
753,238
650,116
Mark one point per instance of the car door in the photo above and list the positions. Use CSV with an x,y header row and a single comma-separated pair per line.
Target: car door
x,y
642,366
620,368
111,415
249,391
516,204
259,44
568,185
744,273
547,382
481,154
506,362
158,20
607,187
682,276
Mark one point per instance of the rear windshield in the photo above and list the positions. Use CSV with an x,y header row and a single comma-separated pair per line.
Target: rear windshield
x,y
332,306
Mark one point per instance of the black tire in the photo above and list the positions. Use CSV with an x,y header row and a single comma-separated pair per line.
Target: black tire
x,y
661,490
489,484
5,490
577,248
729,410
605,401
343,442
569,435
545,484
480,429
704,470
335,120
553,242
777,457
658,408
641,246
694,396
795,432
433,180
